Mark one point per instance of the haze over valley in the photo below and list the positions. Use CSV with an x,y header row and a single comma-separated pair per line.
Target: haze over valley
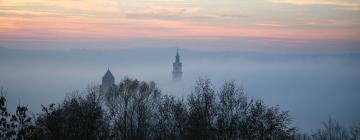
x,y
310,86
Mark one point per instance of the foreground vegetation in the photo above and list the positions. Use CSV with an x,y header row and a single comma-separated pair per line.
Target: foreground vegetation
x,y
137,110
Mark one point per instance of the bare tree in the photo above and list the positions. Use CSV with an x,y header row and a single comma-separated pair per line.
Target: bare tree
x,y
77,117
232,106
166,127
133,106
355,132
331,130
17,126
269,122
202,111
136,110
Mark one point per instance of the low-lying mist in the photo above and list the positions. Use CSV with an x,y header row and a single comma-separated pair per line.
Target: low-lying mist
x,y
312,87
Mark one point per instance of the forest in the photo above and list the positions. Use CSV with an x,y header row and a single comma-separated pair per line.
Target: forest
x,y
138,110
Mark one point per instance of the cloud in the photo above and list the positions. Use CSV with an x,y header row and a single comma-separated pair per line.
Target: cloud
x,y
84,28
186,13
343,4
164,0
84,19
270,25
58,7
313,23
27,13
162,12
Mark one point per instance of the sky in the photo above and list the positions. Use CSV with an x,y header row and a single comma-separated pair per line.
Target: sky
x,y
299,54
290,22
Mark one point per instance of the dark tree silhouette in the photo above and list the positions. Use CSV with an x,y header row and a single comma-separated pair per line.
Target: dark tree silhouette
x,y
136,110
168,126
133,109
202,111
227,114
231,111
76,118
331,130
355,132
17,126
263,122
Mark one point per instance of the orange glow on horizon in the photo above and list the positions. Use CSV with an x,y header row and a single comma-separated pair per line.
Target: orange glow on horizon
x,y
89,28
110,19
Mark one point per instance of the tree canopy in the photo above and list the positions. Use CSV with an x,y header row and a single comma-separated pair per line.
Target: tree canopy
x,y
138,110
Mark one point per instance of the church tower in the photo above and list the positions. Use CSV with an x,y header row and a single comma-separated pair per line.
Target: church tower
x,y
108,81
177,67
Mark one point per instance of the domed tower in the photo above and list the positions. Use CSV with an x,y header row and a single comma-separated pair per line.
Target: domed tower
x,y
177,68
108,81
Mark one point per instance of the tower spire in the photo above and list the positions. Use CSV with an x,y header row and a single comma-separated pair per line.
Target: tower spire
x,y
108,80
177,57
177,67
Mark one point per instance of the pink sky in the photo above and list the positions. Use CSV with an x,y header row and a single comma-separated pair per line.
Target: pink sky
x,y
310,20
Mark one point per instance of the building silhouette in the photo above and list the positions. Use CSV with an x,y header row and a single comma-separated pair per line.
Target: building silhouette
x,y
108,81
177,68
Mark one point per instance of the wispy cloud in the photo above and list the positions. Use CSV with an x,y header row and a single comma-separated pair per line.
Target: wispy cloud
x,y
63,7
164,0
161,12
186,13
313,23
113,19
343,4
89,28
270,25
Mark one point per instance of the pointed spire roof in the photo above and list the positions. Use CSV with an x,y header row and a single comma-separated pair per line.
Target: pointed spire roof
x,y
108,74
177,51
177,57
